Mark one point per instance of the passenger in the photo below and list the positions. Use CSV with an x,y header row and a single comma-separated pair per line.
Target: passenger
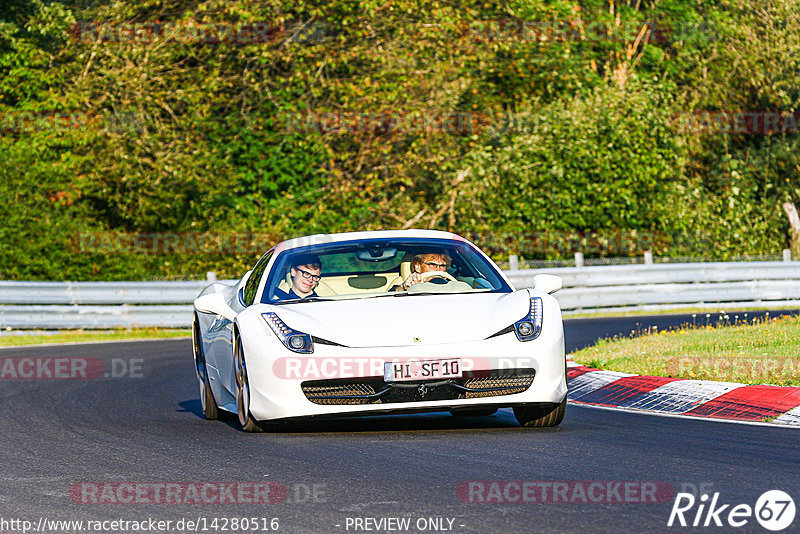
x,y
422,263
306,273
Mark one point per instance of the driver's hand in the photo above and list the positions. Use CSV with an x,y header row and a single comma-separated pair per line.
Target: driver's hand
x,y
414,278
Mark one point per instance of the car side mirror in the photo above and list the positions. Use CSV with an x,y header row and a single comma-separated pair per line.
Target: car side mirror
x,y
214,303
547,283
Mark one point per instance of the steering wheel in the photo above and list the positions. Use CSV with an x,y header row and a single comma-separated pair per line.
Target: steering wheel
x,y
428,275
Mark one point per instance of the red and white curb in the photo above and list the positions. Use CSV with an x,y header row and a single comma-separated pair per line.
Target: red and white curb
x,y
777,405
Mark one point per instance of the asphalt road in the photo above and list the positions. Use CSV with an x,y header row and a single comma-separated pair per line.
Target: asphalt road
x,y
61,440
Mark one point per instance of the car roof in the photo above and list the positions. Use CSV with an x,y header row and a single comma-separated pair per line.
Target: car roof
x,y
318,239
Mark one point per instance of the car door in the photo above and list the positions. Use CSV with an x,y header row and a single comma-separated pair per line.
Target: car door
x,y
243,297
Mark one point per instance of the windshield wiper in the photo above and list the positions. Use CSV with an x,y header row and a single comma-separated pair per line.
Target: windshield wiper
x,y
299,301
407,294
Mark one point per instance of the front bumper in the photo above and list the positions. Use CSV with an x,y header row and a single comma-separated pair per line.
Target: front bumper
x,y
375,390
536,370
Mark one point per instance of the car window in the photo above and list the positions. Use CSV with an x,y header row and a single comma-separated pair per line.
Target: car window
x,y
347,263
373,267
251,287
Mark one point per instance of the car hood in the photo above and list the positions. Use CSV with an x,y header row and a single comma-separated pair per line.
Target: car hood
x,y
391,321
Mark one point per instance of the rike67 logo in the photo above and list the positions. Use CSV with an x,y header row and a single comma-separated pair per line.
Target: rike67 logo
x,y
774,510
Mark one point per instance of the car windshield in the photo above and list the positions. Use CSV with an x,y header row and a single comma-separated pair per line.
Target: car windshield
x,y
380,268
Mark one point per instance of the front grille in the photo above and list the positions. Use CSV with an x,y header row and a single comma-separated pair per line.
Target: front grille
x,y
374,390
343,393
487,386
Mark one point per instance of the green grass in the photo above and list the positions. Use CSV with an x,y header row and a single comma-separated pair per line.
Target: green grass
x,y
701,312
763,352
74,336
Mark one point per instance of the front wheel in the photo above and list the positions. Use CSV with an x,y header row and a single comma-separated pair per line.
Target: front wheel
x,y
243,390
541,415
207,401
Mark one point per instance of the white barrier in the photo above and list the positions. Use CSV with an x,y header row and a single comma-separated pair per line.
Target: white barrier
x,y
672,285
586,289
99,292
97,304
61,317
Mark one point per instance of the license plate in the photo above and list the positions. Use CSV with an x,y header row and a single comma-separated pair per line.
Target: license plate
x,y
421,370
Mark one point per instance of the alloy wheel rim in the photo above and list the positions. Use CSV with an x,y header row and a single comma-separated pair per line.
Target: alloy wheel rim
x,y
200,366
242,387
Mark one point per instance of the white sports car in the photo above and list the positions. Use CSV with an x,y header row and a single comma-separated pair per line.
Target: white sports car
x,y
366,323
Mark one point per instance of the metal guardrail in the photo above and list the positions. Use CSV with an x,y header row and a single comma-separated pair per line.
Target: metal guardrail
x,y
97,304
68,317
669,286
81,293
586,289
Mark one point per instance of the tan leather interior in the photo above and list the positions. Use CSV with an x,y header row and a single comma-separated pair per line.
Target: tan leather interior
x,y
355,283
405,269
405,272
359,283
349,284
322,289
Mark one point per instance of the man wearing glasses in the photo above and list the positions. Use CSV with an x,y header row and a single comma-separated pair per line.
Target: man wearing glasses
x,y
422,263
305,273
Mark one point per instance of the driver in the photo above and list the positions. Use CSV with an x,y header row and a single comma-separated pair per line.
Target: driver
x,y
305,273
422,263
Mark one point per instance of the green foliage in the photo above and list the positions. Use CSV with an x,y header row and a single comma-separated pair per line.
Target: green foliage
x,y
606,161
513,116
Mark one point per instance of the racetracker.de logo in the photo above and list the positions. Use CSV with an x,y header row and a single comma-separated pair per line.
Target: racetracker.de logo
x,y
185,32
739,122
563,492
169,243
44,367
326,367
177,493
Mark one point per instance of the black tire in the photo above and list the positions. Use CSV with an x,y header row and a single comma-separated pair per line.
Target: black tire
x,y
474,412
243,389
541,415
207,401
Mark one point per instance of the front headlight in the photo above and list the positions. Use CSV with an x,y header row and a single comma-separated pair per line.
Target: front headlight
x,y
291,338
530,326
